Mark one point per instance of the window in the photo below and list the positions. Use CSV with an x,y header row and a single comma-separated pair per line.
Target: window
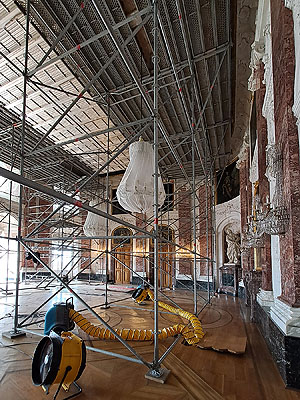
x,y
121,232
116,208
169,201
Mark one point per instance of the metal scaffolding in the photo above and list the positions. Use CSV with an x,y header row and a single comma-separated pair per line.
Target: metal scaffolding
x,y
177,115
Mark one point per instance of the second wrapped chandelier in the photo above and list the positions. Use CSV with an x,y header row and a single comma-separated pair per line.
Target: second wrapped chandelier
x,y
135,192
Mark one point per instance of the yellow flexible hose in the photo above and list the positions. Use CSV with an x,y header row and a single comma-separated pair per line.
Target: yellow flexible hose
x,y
192,336
196,325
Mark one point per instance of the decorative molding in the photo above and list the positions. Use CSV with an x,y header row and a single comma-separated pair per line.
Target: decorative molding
x,y
296,107
257,53
272,160
201,278
290,4
263,11
253,173
245,29
243,154
139,274
265,298
226,210
294,5
287,318
268,106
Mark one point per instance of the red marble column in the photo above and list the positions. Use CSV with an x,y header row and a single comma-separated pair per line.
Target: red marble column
x,y
262,141
140,263
184,228
26,229
36,209
205,222
46,207
85,246
287,136
246,201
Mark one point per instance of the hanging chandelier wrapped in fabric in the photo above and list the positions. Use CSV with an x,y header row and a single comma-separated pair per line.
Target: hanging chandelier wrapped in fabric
x,y
94,224
135,192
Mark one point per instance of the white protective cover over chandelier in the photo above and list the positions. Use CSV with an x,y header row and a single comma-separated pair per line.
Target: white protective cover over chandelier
x,y
135,192
94,224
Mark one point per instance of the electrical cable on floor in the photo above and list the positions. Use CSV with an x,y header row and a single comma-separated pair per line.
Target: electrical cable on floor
x,y
8,315
14,348
17,344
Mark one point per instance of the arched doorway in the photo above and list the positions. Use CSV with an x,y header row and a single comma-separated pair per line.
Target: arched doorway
x,y
123,253
166,258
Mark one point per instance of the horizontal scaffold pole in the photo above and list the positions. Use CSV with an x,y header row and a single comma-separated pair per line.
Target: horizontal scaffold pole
x,y
67,199
105,324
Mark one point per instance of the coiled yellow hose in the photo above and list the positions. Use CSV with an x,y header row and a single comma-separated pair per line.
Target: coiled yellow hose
x,y
192,336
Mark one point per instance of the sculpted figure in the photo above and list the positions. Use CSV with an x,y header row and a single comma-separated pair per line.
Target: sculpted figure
x,y
233,246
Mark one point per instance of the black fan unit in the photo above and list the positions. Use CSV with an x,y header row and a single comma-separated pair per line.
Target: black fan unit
x,y
59,359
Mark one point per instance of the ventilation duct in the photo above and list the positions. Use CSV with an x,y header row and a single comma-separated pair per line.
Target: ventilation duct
x,y
135,192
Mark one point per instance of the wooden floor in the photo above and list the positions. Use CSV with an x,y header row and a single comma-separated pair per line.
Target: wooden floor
x,y
195,373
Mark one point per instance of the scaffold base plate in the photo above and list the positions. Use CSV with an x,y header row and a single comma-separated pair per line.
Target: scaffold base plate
x,y
13,334
160,379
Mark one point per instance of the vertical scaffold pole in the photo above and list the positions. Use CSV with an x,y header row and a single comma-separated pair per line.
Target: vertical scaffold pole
x,y
9,214
213,224
107,206
155,129
207,224
194,201
20,209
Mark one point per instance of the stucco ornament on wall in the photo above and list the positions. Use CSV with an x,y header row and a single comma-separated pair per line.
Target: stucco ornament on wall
x,y
243,154
258,50
294,5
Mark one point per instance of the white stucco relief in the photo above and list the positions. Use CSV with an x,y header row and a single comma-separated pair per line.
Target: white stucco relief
x,y
294,5
263,40
268,113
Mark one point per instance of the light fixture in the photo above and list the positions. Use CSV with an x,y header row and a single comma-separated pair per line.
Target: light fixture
x,y
95,225
270,218
135,192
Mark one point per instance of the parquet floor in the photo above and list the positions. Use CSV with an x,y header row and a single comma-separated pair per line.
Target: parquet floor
x,y
195,373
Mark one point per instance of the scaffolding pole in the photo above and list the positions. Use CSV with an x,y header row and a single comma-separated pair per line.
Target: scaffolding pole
x,y
156,366
158,126
20,209
194,202
107,205
66,285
